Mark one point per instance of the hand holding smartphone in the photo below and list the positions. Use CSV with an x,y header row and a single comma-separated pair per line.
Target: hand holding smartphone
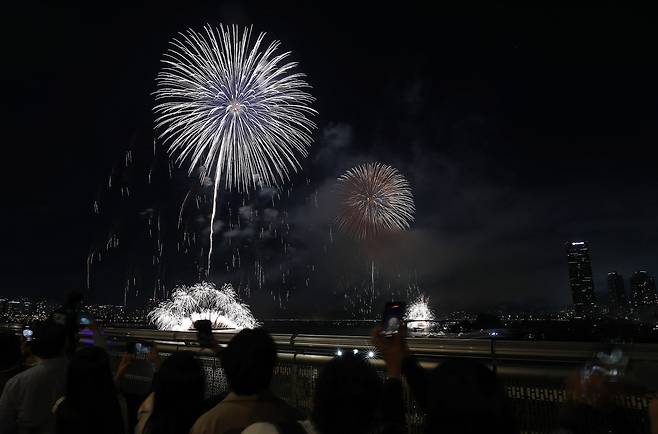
x,y
393,317
139,348
204,333
28,333
84,320
389,338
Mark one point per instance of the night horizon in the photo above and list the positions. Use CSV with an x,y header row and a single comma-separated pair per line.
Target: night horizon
x,y
518,130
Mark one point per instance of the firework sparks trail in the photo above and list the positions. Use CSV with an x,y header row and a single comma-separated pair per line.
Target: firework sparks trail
x,y
182,208
233,109
202,301
374,198
419,315
372,282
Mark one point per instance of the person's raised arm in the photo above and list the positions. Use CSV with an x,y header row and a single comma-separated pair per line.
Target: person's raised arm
x,y
393,350
126,360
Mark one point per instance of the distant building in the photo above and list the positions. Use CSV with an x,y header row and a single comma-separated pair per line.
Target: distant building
x,y
616,294
643,291
580,278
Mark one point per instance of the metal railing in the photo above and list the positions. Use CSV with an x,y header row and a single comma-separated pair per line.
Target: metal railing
x,y
533,373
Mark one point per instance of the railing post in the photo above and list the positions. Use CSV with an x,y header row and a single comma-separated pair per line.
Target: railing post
x,y
493,353
294,370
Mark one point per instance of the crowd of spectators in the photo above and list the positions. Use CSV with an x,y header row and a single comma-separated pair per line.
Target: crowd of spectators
x,y
51,385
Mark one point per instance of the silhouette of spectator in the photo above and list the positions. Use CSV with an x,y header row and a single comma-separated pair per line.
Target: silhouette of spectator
x,y
590,406
347,398
458,397
91,402
11,358
177,398
261,428
467,397
248,362
269,428
28,397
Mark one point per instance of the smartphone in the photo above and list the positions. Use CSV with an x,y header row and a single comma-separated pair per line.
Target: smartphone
x,y
28,333
393,317
611,365
84,320
204,333
142,348
138,348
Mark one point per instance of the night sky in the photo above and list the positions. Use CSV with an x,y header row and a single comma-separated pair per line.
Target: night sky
x,y
518,129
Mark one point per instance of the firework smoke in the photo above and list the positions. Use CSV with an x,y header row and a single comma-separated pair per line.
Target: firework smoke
x,y
202,301
233,109
374,198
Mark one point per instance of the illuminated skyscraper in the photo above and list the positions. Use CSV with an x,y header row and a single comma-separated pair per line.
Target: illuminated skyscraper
x,y
580,278
643,291
616,294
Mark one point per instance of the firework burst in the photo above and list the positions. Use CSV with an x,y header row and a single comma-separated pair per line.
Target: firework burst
x,y
235,110
374,198
202,301
419,315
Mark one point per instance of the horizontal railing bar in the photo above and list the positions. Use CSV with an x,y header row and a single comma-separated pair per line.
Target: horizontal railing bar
x,y
544,351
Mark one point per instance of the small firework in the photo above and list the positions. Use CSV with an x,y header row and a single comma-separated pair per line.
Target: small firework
x,y
374,198
202,301
419,315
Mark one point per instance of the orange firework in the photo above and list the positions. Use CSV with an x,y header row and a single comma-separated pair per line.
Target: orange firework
x,y
374,198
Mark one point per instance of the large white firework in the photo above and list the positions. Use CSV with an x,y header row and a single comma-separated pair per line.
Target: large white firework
x,y
233,109
419,315
202,301
374,198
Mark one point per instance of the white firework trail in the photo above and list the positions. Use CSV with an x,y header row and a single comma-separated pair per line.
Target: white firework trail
x,y
203,301
374,198
233,109
419,314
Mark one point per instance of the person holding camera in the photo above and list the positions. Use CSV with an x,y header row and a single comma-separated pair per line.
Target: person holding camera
x,y
28,397
458,396
248,362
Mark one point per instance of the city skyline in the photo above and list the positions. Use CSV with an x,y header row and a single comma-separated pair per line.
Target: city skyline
x,y
618,300
641,296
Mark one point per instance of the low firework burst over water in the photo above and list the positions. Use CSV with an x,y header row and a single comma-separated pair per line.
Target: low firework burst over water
x,y
419,315
374,198
233,109
203,301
